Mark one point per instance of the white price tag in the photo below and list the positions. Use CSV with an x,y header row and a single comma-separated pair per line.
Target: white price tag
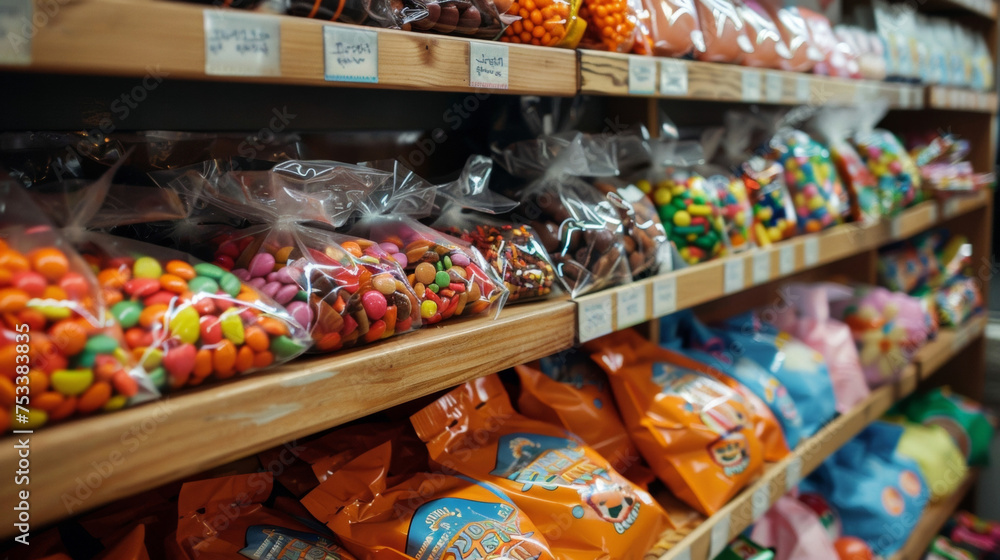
x,y
489,65
793,474
760,502
933,211
962,337
918,98
631,302
350,54
904,97
684,554
811,249
774,87
239,44
786,260
719,536
751,85
664,296
641,75
896,227
733,276
761,266
951,208
16,31
673,77
802,94
594,317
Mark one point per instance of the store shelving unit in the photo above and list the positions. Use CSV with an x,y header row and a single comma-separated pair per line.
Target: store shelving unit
x,y
934,517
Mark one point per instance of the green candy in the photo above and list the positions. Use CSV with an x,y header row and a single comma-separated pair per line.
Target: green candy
x,y
159,377
706,243
667,215
284,347
101,344
679,203
86,359
210,270
442,279
438,265
127,313
434,288
230,284
687,230
302,295
447,262
204,284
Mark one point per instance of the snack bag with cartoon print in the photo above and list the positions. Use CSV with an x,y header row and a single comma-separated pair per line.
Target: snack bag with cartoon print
x,y
696,432
425,516
579,502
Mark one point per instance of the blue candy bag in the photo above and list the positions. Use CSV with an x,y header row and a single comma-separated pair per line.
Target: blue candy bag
x,y
879,494
683,333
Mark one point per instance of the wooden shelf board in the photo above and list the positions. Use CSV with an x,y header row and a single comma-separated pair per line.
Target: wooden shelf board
x,y
155,443
738,513
933,518
956,99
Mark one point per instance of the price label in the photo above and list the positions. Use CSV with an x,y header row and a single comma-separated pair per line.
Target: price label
x,y
719,536
896,227
489,65
774,84
751,85
733,273
963,336
664,296
238,44
904,97
641,75
350,54
786,260
761,267
631,302
793,474
951,208
802,94
811,251
918,98
760,502
673,77
933,214
594,317
684,554
16,31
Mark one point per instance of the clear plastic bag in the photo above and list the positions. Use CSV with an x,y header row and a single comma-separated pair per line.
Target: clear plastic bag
x,y
867,202
804,54
820,199
481,19
836,57
645,238
611,24
559,21
773,211
769,48
730,192
722,38
892,166
668,28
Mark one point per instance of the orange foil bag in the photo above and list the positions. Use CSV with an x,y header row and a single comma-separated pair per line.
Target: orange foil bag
x,y
668,28
224,518
694,430
722,35
582,506
769,49
426,516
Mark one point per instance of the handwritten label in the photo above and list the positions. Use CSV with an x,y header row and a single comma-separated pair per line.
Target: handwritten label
x,y
631,302
760,502
673,77
664,296
802,94
489,65
774,87
751,85
719,536
350,55
594,317
761,267
811,248
951,207
238,44
641,75
793,474
786,260
733,280
16,31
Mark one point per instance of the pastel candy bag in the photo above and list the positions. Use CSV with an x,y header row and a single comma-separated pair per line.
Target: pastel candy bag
x,y
793,530
887,159
579,503
696,432
820,199
808,319
941,462
879,493
968,423
867,201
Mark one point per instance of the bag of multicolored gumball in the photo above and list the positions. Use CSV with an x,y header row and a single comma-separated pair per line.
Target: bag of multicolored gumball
x,y
887,159
820,199
55,335
730,192
868,201
346,291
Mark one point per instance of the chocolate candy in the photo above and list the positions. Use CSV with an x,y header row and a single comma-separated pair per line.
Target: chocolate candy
x,y
818,195
644,237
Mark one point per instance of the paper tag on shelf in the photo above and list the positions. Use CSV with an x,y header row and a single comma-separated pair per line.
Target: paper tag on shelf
x,y
786,259
594,317
751,85
896,227
760,502
733,276
641,75
664,296
904,97
719,536
918,97
350,54
683,554
239,44
802,89
761,266
774,85
811,249
951,208
793,474
933,211
16,31
631,303
963,336
673,77
489,65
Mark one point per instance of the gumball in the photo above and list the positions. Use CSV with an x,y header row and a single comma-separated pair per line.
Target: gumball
x,y
853,548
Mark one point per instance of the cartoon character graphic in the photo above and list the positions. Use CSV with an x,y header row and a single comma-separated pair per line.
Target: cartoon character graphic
x,y
459,529
268,541
524,451
613,502
731,453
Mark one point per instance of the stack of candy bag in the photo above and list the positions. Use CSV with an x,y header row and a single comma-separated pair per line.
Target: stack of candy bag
x,y
966,421
966,537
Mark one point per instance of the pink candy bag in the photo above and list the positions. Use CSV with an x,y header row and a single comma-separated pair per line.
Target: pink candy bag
x,y
795,532
805,313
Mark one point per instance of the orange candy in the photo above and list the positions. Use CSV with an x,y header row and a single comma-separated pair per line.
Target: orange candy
x,y
173,283
224,359
38,381
13,261
8,361
352,248
50,263
202,364
12,300
125,383
47,401
543,22
7,392
94,397
65,409
256,338
33,318
181,269
244,359
263,359
610,23
153,315
69,336
272,326
114,278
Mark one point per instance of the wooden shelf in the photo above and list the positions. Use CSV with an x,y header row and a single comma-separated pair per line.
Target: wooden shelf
x,y
780,477
982,8
933,518
621,307
955,99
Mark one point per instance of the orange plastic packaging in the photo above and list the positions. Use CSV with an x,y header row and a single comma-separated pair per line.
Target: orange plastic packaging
x,y
423,517
693,428
769,49
583,507
722,32
548,23
132,547
804,54
667,28
611,24
224,518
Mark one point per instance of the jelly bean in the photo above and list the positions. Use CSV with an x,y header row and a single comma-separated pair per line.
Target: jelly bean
x,y
13,261
153,315
146,267
427,309
301,312
375,303
261,264
242,273
352,248
375,331
49,262
47,400
8,392
230,284
425,273
286,294
142,287
224,359
181,269
125,384
401,259
158,376
184,325
12,300
244,359
283,347
71,382
442,278
460,259
230,249
284,275
272,326
232,327
271,289
203,284
209,270
101,344
179,363
203,363
384,283
34,319
173,283
138,338
36,419
52,312
210,329
256,338
30,282
258,283
265,358
94,398
116,402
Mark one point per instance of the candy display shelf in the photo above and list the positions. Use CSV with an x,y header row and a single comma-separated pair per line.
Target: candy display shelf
x,y
708,538
982,8
940,97
933,518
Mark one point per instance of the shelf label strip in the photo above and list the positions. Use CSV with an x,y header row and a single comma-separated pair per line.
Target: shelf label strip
x,y
761,267
16,31
489,65
673,77
751,85
350,55
733,276
594,317
664,296
641,75
786,260
631,305
719,536
760,502
238,44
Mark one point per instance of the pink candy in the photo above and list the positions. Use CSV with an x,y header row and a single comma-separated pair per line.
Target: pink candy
x,y
300,310
459,259
261,265
374,303
401,259
286,293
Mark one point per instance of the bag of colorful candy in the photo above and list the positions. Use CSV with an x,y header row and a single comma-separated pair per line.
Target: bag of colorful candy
x,y
819,197
60,354
481,19
730,192
611,24
886,158
941,159
868,202
559,20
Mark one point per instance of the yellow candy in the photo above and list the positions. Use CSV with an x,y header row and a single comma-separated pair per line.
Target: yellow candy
x,y
115,403
644,186
765,214
816,203
774,233
36,419
679,190
428,308
71,382
232,326
740,218
760,232
281,257
682,218
152,359
147,267
700,209
800,200
662,197
692,238
184,325
51,312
